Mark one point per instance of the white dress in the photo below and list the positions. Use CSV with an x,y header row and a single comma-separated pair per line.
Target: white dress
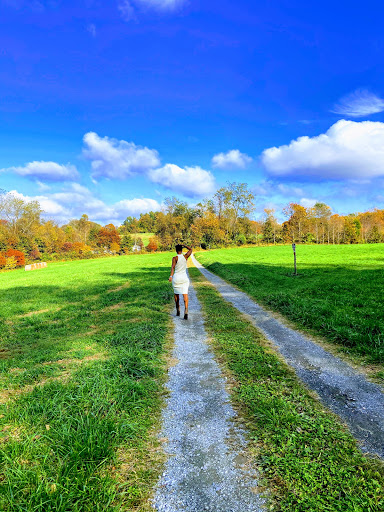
x,y
180,281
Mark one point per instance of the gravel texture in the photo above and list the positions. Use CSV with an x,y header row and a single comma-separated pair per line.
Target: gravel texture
x,y
207,467
344,390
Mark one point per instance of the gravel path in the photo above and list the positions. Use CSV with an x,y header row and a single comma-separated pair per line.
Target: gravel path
x,y
348,393
207,466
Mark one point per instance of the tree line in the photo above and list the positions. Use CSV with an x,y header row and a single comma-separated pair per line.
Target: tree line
x,y
222,220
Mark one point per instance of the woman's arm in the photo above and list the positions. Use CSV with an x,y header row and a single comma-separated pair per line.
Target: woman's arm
x,y
174,260
187,254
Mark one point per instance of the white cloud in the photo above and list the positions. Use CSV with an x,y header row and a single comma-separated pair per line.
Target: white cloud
x,y
271,188
49,205
134,207
92,29
43,187
359,103
308,203
190,181
76,199
126,9
233,159
348,150
111,158
47,171
162,4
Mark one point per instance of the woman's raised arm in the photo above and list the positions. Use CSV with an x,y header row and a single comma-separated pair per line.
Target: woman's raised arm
x,y
187,254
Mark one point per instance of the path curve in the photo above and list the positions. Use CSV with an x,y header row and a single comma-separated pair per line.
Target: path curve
x,y
358,402
207,467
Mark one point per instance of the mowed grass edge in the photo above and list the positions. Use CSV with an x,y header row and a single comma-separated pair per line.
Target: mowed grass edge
x,y
85,348
309,460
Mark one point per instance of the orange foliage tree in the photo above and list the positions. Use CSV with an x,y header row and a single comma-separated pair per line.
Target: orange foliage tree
x,y
18,255
107,236
153,244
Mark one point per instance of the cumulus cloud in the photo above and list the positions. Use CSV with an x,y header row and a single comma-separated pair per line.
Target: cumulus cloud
x,y
348,150
76,199
360,103
190,181
46,171
48,204
114,159
233,159
136,206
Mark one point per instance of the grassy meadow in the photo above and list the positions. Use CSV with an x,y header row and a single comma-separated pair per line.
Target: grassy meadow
x,y
83,346
309,462
338,292
144,236
81,372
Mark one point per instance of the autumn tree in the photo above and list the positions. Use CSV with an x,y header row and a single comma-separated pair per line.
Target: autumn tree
x,y
50,237
271,228
233,202
319,216
206,231
296,227
22,217
107,236
153,244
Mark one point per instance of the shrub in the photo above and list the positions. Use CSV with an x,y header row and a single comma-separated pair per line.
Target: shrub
x,y
10,263
115,247
80,248
240,239
35,254
3,261
18,255
67,246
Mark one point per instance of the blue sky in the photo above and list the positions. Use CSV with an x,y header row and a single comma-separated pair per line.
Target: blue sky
x,y
109,106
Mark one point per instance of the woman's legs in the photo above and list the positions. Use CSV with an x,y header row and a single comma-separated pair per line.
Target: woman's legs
x,y
177,302
185,297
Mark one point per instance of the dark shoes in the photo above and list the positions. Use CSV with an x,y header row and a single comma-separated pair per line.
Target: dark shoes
x,y
178,314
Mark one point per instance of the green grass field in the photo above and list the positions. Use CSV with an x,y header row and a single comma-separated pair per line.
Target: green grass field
x,y
81,360
83,346
145,237
309,461
339,292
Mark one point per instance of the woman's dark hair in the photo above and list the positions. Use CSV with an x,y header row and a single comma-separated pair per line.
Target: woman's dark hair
x,y
179,248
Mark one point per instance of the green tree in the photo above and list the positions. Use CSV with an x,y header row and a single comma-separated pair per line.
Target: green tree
x,y
233,202
126,243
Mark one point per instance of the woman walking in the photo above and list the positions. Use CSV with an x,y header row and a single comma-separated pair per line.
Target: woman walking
x,y
179,278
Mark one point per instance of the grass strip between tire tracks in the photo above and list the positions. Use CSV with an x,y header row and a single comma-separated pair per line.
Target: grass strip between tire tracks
x,y
310,461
